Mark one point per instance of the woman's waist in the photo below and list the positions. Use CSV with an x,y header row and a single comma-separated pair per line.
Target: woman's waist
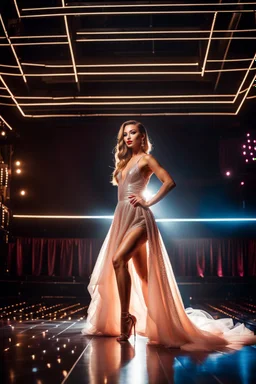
x,y
125,196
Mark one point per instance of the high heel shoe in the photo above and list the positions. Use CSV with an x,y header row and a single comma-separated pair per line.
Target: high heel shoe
x,y
128,322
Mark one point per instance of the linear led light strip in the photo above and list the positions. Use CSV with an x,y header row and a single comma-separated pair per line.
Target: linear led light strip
x,y
208,45
103,73
116,114
127,73
5,122
36,43
126,65
124,103
163,32
229,60
8,105
40,37
130,33
12,96
17,8
111,217
112,65
133,114
12,48
159,39
245,95
70,44
138,5
9,66
121,97
106,40
245,76
132,13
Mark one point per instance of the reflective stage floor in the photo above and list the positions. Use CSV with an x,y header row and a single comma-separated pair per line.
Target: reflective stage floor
x,y
42,343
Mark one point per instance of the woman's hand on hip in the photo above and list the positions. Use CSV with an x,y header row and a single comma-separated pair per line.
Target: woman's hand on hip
x,y
137,200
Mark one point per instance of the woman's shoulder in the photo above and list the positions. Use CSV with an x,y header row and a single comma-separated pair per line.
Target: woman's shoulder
x,y
149,158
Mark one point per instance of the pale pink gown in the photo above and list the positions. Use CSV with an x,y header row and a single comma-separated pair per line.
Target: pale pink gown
x,y
165,321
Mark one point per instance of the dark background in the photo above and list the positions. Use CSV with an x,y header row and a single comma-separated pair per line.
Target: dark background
x,y
67,166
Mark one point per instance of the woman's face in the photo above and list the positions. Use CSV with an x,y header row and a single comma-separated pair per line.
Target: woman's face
x,y
132,136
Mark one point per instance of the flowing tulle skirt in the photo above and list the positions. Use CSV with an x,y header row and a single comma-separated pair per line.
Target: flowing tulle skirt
x,y
165,321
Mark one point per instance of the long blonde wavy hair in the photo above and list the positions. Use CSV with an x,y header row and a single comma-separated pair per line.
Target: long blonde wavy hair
x,y
122,153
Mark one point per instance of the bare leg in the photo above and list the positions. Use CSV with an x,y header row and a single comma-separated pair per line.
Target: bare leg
x,y
124,253
140,262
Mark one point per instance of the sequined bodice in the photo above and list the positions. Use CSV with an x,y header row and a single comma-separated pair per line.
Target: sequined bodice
x,y
134,182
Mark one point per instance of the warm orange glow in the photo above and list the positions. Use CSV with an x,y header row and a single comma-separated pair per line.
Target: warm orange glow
x,y
23,193
18,170
3,133
17,163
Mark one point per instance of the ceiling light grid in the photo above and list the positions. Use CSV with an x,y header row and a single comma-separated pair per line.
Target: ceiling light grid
x,y
119,70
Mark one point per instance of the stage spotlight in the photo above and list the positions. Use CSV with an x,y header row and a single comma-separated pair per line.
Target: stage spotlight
x,y
246,160
248,141
3,133
17,163
242,183
147,194
244,146
23,193
244,153
248,134
18,170
228,173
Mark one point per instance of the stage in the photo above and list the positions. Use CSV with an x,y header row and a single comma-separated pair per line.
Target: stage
x,y
41,342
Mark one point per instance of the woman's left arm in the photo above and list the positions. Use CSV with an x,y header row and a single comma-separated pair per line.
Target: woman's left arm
x,y
167,183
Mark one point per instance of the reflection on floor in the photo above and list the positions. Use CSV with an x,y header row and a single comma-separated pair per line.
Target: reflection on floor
x,y
42,343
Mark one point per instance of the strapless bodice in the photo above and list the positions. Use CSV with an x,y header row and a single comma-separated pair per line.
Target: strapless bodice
x,y
134,183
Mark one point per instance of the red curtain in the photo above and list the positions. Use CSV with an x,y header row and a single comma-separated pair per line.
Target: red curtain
x,y
76,257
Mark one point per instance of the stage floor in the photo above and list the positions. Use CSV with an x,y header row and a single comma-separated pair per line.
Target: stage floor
x,y
42,343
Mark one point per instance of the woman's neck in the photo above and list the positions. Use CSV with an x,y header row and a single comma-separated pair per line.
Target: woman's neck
x,y
134,154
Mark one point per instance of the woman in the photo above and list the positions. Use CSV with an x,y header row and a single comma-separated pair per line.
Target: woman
x,y
133,272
